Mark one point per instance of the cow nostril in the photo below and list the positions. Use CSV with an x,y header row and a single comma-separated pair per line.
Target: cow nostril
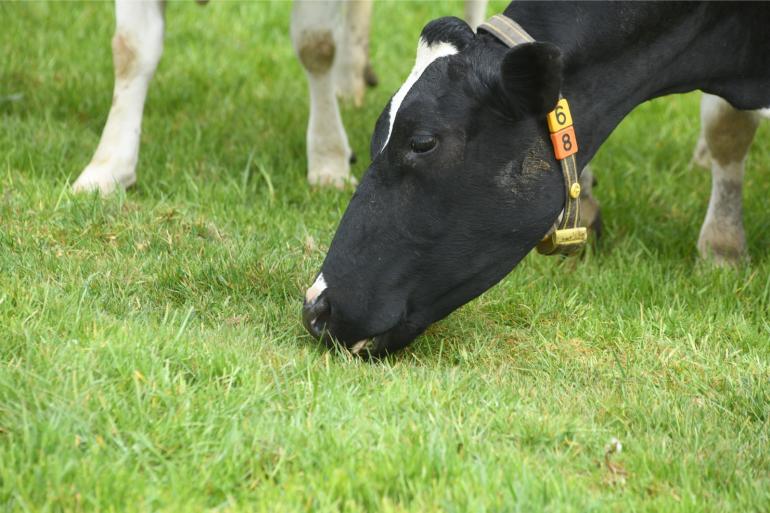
x,y
315,314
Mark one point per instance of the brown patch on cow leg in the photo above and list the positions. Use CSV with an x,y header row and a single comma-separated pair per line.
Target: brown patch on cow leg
x,y
728,134
316,50
124,55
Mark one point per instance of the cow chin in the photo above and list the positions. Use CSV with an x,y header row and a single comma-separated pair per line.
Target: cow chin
x,y
386,343
378,346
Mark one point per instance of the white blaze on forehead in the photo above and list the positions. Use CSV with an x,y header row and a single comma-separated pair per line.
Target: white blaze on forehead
x,y
319,285
426,54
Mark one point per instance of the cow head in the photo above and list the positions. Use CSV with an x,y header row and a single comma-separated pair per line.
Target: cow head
x,y
462,185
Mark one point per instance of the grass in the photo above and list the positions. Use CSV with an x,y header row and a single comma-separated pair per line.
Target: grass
x,y
151,355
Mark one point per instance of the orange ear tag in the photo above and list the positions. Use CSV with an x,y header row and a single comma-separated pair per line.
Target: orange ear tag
x,y
564,143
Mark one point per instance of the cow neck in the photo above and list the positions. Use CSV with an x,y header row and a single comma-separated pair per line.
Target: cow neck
x,y
566,236
617,56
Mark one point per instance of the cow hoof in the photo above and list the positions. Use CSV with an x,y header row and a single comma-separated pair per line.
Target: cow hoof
x,y
103,178
370,77
337,182
723,248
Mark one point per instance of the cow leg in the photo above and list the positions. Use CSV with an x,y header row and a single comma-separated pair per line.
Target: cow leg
x,y
700,155
475,12
313,35
728,134
352,71
590,213
136,49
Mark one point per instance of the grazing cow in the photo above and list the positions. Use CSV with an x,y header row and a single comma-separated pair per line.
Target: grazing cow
x,y
331,39
464,180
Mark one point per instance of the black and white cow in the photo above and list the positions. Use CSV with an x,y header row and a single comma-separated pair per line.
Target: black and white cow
x,y
463,181
331,38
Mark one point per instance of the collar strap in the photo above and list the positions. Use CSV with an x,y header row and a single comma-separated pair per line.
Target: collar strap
x,y
567,236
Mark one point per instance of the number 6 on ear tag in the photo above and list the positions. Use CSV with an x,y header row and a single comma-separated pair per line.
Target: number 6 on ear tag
x,y
560,117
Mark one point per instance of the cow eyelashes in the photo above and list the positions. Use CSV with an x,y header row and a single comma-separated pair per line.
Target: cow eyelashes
x,y
422,143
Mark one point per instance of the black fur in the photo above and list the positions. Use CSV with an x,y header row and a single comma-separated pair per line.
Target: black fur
x,y
450,30
530,75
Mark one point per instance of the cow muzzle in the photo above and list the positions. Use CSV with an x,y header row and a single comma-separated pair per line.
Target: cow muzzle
x,y
315,317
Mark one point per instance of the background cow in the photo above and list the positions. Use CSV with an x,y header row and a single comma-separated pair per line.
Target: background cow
x,y
331,39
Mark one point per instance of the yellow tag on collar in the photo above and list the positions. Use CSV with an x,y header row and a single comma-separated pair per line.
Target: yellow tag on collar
x,y
560,117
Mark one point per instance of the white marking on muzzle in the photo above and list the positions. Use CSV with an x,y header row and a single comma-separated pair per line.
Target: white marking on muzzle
x,y
426,54
361,346
319,285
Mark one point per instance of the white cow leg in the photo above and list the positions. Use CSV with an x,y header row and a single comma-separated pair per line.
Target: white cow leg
x,y
728,134
700,155
313,35
350,66
136,49
475,12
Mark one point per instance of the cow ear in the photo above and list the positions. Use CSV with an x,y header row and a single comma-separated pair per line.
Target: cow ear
x,y
531,75
447,30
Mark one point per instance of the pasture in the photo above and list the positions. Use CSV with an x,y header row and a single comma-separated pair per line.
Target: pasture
x,y
152,356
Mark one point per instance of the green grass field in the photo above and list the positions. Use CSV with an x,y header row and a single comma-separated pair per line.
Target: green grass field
x,y
151,354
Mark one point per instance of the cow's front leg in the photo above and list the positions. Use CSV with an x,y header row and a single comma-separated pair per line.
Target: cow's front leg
x,y
700,155
313,35
728,134
475,12
136,49
352,70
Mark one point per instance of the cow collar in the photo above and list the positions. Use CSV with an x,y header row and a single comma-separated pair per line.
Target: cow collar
x,y
566,236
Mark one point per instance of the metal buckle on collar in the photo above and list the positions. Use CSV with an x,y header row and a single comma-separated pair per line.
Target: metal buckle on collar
x,y
568,237
563,242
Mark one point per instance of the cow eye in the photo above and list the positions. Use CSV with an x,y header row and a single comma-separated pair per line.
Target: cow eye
x,y
422,143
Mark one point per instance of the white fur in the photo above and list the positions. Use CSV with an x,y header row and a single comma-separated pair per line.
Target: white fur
x,y
475,11
140,26
361,346
317,24
728,134
426,54
315,290
141,22
353,53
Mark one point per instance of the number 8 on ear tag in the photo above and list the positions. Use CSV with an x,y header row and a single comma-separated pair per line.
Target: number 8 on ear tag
x,y
562,133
